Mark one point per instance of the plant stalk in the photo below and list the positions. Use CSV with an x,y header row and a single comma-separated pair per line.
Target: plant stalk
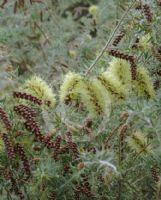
x,y
110,39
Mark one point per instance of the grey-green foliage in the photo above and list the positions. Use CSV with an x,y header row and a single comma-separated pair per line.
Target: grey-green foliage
x,y
59,44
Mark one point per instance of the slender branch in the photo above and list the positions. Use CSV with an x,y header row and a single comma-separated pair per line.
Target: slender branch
x,y
119,189
3,4
44,34
111,135
110,38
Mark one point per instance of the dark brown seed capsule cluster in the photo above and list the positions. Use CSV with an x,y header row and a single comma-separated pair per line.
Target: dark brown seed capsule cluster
x,y
135,45
21,3
37,148
6,173
28,97
124,115
80,166
157,54
34,128
59,150
26,112
87,127
159,72
83,189
133,70
64,149
87,131
158,2
57,142
9,147
88,123
118,37
5,119
57,147
31,125
15,7
122,129
15,188
127,57
20,151
156,84
154,174
138,6
52,196
147,12
49,136
121,55
29,115
66,169
72,145
67,100
46,141
76,195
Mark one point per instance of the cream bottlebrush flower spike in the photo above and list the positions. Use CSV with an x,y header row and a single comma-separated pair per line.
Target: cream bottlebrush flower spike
x,y
37,87
143,84
121,69
69,88
138,142
112,86
93,10
92,98
144,42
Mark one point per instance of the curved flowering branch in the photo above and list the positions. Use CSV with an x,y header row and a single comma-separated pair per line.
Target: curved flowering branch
x,y
5,119
9,148
23,157
28,97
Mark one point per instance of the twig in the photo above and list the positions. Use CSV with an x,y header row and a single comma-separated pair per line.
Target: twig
x,y
44,34
111,135
119,189
121,179
110,39
4,3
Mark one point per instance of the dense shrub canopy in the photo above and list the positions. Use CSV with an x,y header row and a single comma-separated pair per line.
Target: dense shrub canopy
x,y
80,100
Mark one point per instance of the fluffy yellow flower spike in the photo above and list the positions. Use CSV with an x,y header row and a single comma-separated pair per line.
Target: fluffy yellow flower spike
x,y
112,86
37,87
121,69
69,88
143,84
93,98
144,42
138,142
93,10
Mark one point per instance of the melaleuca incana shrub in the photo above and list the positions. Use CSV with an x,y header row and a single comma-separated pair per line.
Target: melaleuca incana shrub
x,y
91,137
